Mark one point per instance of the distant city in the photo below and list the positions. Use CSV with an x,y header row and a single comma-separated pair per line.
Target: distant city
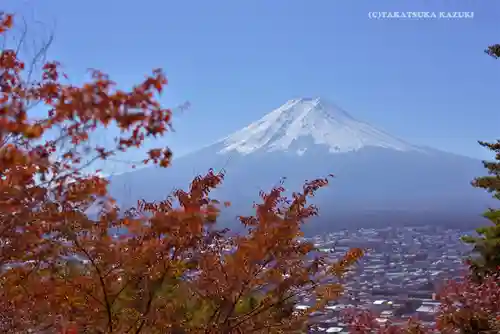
x,y
397,278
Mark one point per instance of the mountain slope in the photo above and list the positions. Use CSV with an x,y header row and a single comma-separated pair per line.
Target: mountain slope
x,y
323,123
309,138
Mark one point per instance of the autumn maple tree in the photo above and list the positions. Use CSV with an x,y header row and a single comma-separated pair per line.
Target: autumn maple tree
x,y
172,271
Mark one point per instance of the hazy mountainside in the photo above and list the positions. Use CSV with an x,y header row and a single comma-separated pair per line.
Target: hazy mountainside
x,y
309,138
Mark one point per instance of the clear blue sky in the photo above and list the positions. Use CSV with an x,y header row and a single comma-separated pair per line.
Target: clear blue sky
x,y
426,81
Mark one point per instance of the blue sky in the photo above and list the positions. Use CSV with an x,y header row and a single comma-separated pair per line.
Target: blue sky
x,y
427,81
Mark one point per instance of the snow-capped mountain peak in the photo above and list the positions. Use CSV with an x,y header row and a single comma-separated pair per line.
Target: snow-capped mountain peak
x,y
298,123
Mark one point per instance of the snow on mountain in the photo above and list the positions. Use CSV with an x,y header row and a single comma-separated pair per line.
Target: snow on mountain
x,y
296,123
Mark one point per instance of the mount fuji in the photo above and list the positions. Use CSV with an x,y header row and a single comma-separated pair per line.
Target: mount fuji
x,y
292,126
379,178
